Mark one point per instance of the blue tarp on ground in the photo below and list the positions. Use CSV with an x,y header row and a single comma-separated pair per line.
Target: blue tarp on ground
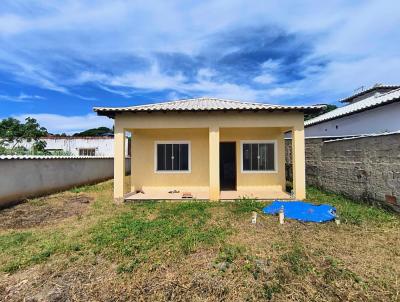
x,y
302,211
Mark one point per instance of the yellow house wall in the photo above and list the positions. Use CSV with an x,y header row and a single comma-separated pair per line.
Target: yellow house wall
x,y
143,165
147,128
251,180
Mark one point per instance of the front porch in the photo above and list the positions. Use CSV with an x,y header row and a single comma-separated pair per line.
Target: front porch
x,y
208,150
260,194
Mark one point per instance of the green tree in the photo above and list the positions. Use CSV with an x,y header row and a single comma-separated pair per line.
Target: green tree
x,y
39,147
329,107
95,132
13,132
58,134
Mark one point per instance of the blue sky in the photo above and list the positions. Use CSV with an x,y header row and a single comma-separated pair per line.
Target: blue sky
x,y
58,59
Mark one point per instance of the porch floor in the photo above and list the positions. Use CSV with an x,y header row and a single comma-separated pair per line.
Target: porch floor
x,y
164,195
264,194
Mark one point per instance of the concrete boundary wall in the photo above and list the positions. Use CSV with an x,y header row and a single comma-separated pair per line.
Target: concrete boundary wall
x,y
363,168
24,177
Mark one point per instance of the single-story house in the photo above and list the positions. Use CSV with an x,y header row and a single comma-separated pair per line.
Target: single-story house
x,y
375,110
208,148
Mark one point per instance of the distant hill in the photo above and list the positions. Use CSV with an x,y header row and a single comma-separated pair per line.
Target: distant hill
x,y
101,131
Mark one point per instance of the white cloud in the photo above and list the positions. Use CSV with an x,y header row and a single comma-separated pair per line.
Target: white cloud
x,y
11,24
282,91
22,97
152,79
370,29
119,91
267,69
206,84
173,95
206,73
223,90
264,79
271,64
358,39
340,78
56,123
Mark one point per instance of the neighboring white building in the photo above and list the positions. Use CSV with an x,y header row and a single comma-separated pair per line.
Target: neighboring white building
x,y
372,111
79,146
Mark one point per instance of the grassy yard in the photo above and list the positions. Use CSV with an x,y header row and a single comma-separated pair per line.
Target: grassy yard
x,y
79,246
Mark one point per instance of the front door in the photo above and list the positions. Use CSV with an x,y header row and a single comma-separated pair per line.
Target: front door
x,y
227,166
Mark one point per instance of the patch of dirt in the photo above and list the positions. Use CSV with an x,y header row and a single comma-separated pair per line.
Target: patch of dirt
x,y
43,211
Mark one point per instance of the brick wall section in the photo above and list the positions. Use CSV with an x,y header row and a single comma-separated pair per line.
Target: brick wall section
x,y
366,169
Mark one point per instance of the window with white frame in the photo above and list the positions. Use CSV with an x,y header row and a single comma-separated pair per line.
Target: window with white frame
x,y
258,156
172,156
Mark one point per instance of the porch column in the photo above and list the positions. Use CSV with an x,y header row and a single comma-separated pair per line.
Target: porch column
x,y
119,163
298,161
214,162
132,180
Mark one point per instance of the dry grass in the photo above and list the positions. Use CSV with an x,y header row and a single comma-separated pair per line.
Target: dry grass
x,y
38,212
193,251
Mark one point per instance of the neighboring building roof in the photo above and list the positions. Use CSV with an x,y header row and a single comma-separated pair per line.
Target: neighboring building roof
x,y
361,136
366,104
51,157
204,104
101,137
376,87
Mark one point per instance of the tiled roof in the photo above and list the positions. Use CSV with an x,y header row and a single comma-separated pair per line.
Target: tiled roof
x,y
204,104
368,103
370,89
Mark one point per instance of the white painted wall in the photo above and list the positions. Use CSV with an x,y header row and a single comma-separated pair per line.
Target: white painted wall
x,y
104,145
379,120
29,176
